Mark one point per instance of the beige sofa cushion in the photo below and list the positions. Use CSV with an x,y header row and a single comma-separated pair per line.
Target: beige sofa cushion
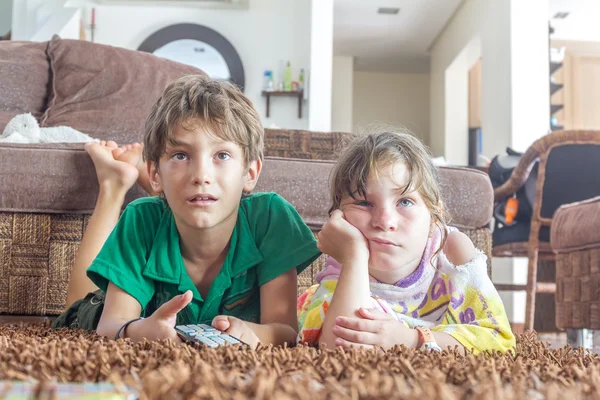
x,y
24,77
104,91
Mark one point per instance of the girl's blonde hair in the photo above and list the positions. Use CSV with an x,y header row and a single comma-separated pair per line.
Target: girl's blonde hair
x,y
366,153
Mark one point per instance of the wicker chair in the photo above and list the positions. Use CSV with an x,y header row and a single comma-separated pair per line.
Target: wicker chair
x,y
567,160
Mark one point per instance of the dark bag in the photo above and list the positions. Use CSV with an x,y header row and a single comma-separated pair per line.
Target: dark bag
x,y
500,170
83,314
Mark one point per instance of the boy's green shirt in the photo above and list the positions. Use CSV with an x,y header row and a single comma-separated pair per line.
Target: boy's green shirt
x,y
142,256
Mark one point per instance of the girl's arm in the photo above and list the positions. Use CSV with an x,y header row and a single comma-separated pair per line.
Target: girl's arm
x,y
351,293
475,317
444,340
348,246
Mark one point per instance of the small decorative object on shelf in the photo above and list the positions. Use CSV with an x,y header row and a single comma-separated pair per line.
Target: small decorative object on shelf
x,y
301,79
557,56
287,77
299,94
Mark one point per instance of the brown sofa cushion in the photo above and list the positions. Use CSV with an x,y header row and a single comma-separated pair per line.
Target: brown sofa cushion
x,y
468,195
57,178
61,178
25,79
575,226
105,91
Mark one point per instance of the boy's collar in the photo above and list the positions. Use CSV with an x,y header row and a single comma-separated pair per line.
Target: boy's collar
x,y
242,255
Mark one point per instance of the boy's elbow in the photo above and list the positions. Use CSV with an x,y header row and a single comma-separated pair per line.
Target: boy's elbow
x,y
104,330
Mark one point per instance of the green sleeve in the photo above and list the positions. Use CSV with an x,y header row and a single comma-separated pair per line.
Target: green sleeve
x,y
124,254
283,238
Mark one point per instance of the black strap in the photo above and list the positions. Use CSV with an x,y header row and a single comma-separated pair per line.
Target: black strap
x,y
125,325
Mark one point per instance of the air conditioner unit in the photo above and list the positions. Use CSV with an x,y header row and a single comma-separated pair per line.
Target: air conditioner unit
x,y
180,3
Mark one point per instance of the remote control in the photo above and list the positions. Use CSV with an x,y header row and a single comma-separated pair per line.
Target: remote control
x,y
207,335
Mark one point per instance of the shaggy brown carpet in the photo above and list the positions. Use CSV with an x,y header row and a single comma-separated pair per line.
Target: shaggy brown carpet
x,y
163,370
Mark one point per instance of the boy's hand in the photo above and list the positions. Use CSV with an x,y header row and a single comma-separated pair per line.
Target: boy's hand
x,y
236,328
341,240
374,329
161,324
459,249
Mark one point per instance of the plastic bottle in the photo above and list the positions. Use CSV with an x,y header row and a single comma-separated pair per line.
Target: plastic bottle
x,y
301,79
287,77
268,80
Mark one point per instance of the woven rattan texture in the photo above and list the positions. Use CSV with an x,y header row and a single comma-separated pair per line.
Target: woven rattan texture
x,y
577,289
303,144
38,250
36,254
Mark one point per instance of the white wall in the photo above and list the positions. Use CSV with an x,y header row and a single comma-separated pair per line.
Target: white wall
x,y
513,39
64,22
321,63
263,34
399,99
342,95
530,72
455,37
5,16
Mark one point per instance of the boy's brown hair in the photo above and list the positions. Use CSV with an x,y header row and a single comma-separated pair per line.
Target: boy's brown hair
x,y
219,106
370,152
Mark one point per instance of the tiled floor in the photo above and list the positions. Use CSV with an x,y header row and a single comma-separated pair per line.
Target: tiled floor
x,y
558,340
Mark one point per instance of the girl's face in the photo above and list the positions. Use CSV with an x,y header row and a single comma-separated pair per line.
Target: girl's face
x,y
395,225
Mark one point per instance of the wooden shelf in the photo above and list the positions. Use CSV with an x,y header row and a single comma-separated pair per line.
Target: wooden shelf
x,y
555,87
298,93
554,66
554,108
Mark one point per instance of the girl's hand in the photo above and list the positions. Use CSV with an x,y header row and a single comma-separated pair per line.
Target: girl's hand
x,y
236,328
459,249
341,240
375,329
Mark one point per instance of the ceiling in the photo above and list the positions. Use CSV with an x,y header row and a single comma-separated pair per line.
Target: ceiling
x,y
389,43
399,43
582,22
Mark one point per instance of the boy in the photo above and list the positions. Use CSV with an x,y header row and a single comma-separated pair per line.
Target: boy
x,y
201,252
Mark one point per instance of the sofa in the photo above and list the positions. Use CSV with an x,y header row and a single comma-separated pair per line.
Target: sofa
x,y
575,240
48,191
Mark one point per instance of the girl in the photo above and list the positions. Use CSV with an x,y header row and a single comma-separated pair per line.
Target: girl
x,y
396,273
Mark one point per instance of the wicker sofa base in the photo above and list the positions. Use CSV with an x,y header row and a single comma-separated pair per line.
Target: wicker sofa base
x,y
37,252
577,293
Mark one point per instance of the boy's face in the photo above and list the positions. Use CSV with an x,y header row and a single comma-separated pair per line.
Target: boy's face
x,y
202,178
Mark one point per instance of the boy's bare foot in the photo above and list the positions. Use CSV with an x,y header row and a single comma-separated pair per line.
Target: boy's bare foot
x,y
112,174
132,154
